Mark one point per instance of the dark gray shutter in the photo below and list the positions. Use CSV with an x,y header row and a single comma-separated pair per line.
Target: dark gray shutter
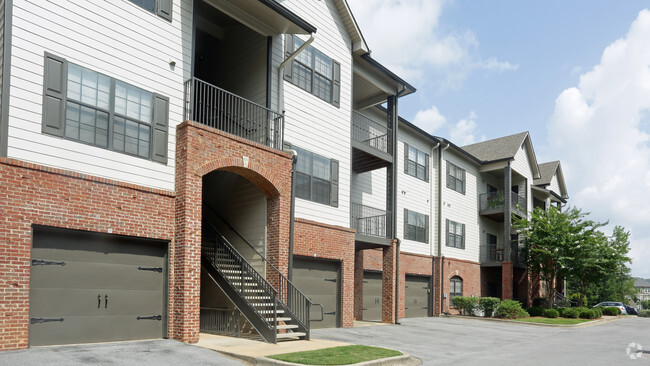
x,y
406,219
426,168
464,181
462,246
447,232
288,50
336,84
426,229
406,158
165,9
334,195
448,176
54,94
160,127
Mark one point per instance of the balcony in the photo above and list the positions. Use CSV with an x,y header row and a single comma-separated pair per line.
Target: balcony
x,y
212,106
492,205
372,144
492,255
373,225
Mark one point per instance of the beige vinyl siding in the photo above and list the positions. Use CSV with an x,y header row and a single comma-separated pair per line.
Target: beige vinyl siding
x,y
316,125
116,38
412,193
461,208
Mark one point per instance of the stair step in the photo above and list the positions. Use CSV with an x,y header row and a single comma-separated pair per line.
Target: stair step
x,y
231,278
287,326
261,304
238,284
280,319
257,298
291,335
271,311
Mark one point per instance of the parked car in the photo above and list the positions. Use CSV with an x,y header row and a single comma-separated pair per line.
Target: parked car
x,y
631,310
617,304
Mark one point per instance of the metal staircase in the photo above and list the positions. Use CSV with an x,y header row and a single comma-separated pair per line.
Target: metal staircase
x,y
272,304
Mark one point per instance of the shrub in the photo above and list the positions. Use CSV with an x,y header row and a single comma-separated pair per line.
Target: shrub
x,y
511,309
644,313
587,314
488,305
562,310
611,310
598,312
465,304
570,313
535,311
540,302
551,313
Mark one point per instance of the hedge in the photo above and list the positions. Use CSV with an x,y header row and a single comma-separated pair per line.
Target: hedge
x,y
511,309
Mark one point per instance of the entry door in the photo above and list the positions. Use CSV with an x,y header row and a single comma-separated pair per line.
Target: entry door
x,y
319,281
88,287
372,290
417,296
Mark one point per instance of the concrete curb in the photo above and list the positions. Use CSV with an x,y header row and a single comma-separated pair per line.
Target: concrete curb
x,y
580,325
404,359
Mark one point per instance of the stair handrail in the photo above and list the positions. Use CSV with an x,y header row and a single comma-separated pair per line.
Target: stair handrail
x,y
302,320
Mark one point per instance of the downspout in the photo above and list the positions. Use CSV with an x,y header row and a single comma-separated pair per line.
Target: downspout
x,y
442,285
431,204
292,213
397,284
281,71
439,209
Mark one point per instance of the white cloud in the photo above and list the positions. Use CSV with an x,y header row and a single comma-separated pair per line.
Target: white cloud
x,y
464,132
407,37
430,120
597,129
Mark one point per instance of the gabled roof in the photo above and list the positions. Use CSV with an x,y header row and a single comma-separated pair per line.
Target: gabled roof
x,y
359,45
504,148
547,172
640,282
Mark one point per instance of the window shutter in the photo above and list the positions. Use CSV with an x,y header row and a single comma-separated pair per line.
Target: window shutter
x,y
464,182
406,218
160,127
54,94
288,50
426,168
336,84
406,158
334,194
448,174
447,231
462,246
165,9
426,229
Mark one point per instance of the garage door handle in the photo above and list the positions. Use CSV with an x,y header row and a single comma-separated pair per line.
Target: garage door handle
x,y
153,269
44,320
99,301
40,262
106,302
330,313
153,317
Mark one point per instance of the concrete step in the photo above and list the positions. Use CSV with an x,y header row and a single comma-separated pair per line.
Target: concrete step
x,y
291,335
280,319
287,326
271,311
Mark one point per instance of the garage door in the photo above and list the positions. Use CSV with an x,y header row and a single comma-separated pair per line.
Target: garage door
x,y
417,296
88,287
372,296
319,280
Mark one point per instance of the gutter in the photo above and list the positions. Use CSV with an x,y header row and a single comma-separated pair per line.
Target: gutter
x,y
289,15
292,211
281,71
397,252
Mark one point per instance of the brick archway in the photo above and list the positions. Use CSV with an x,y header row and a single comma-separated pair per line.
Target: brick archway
x,y
199,151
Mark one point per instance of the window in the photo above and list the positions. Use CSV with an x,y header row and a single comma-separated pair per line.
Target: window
x,y
416,226
92,108
455,178
313,71
162,8
316,178
455,234
455,288
416,163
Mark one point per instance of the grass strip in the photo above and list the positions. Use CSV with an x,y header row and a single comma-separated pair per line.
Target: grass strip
x,y
344,355
562,321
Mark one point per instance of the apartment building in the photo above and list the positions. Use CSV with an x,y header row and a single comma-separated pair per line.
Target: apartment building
x,y
643,288
172,167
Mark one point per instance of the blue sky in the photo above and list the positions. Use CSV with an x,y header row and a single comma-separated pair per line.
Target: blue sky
x,y
576,74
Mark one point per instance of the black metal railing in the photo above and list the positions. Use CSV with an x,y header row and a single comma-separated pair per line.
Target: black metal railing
x,y
370,221
518,253
496,201
492,253
221,321
295,304
212,106
372,133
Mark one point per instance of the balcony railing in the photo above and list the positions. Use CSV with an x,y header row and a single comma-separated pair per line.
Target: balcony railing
x,y
371,133
370,221
492,253
495,201
214,107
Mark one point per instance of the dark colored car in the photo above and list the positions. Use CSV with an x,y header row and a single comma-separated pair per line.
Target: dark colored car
x,y
631,310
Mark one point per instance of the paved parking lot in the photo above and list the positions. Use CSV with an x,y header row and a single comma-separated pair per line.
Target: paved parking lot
x,y
454,341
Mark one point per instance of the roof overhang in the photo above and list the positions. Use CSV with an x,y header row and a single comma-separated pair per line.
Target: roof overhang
x,y
545,193
532,159
267,17
374,83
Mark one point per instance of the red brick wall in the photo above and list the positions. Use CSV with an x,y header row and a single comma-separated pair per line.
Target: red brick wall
x,y
199,151
34,195
318,240
506,281
469,272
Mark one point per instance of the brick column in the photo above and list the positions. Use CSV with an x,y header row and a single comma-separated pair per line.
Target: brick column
x,y
388,279
437,291
506,281
358,285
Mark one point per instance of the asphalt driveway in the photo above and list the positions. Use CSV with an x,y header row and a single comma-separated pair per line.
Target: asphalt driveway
x,y
454,341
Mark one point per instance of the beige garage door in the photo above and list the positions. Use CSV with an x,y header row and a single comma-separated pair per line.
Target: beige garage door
x,y
417,296
319,280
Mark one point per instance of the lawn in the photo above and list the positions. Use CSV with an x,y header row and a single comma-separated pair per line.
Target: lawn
x,y
563,321
344,355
